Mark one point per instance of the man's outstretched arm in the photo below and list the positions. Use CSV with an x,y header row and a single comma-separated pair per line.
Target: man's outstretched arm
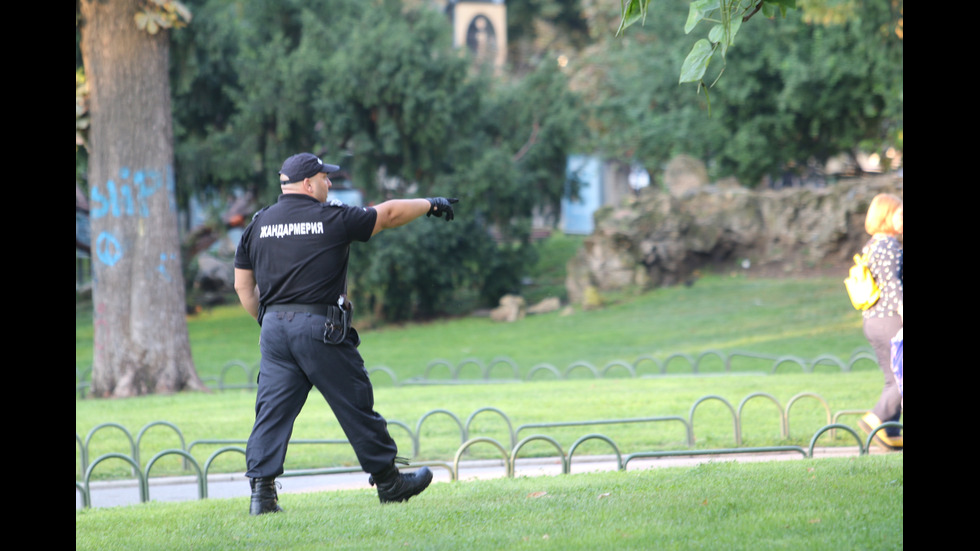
x,y
398,212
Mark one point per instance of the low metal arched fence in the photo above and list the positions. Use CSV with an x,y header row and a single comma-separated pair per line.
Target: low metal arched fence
x,y
250,374
595,436
508,454
735,418
512,461
505,370
506,419
507,458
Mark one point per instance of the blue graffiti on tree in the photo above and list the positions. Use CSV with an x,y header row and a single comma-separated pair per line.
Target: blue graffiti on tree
x,y
129,195
122,199
162,268
108,249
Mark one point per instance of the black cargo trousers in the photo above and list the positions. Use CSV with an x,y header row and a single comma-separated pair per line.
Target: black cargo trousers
x,y
295,358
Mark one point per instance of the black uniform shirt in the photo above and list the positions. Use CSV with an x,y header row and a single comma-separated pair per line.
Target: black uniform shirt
x,y
298,248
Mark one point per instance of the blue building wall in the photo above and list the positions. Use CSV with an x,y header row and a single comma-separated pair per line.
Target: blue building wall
x,y
577,213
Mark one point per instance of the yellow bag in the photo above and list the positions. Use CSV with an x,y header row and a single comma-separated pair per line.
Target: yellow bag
x,y
860,284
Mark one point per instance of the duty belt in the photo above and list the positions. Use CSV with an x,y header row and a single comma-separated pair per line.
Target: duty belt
x,y
317,309
335,328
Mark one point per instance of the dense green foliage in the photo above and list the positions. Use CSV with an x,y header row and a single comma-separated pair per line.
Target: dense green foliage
x,y
796,92
383,92
722,18
380,88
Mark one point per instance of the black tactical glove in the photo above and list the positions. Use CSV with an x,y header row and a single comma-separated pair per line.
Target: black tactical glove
x,y
440,206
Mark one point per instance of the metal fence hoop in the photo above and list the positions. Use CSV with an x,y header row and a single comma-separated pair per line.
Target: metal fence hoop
x,y
482,369
543,367
412,436
132,444
462,430
482,439
229,366
861,355
789,359
82,452
738,433
211,459
437,363
510,426
721,356
782,412
515,369
124,457
794,399
595,436
843,412
646,358
690,360
591,368
862,449
387,371
188,458
827,358
86,499
532,438
618,363
148,426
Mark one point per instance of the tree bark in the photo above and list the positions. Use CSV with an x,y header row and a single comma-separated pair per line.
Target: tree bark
x,y
141,343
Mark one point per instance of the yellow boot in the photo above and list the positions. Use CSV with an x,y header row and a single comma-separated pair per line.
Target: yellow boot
x,y
870,422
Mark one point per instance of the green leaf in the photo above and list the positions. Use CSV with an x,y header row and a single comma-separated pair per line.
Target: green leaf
x,y
697,61
734,26
718,34
725,35
633,11
699,9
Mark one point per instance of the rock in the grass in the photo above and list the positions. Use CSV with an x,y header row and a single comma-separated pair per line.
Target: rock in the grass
x,y
660,239
512,308
550,304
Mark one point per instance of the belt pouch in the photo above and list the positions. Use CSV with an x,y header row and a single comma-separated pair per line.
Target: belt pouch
x,y
336,326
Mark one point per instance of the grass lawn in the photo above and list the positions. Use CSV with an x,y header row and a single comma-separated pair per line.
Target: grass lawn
x,y
804,317
824,503
833,503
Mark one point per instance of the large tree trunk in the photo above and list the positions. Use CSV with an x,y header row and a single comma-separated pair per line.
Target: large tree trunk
x,y
141,344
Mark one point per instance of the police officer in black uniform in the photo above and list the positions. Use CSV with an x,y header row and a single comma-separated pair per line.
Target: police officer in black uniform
x,y
291,274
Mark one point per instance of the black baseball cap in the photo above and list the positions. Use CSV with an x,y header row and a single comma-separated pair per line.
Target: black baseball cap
x,y
304,165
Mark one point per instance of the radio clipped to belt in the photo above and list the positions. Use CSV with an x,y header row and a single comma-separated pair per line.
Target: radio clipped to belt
x,y
338,322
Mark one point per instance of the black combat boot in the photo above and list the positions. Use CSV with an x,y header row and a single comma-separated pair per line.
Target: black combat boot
x,y
397,486
264,496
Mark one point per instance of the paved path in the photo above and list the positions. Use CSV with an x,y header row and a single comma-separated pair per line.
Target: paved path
x,y
184,488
